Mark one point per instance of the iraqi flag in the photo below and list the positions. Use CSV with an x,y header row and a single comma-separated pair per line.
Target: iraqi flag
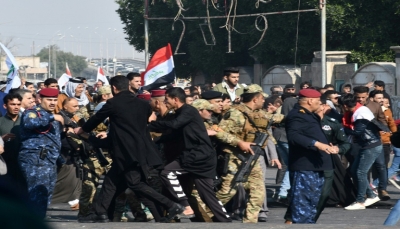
x,y
101,76
67,71
13,80
161,69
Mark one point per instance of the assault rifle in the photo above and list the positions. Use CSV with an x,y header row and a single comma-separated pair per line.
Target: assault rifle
x,y
249,162
246,167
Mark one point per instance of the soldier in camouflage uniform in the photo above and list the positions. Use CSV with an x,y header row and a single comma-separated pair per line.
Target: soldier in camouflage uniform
x,y
215,98
237,137
91,167
40,148
92,170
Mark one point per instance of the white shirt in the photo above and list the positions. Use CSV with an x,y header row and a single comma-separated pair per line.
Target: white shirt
x,y
231,92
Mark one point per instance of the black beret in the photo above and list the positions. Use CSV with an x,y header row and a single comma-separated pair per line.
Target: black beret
x,y
211,95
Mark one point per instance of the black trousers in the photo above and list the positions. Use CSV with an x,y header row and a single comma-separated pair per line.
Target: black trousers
x,y
343,191
205,188
116,182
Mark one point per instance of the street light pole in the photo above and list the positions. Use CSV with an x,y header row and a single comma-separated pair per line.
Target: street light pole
x,y
323,41
115,61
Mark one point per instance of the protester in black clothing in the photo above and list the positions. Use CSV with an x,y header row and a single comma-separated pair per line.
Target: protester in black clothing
x,y
197,159
132,151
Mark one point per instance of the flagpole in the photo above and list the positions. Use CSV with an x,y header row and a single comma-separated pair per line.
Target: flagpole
x,y
48,75
146,35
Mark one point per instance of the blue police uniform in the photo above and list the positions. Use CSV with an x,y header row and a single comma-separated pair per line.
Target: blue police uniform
x,y
306,163
39,131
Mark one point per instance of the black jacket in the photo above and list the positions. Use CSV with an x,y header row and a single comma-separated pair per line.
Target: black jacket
x,y
367,132
131,144
303,128
198,156
335,134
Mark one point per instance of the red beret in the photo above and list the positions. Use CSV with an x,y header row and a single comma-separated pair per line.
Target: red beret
x,y
309,93
144,96
158,93
48,92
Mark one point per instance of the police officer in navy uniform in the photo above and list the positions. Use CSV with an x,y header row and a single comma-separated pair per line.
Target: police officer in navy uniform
x,y
40,148
309,156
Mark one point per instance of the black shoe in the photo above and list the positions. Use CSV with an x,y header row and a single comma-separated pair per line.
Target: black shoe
x,y
174,211
93,218
262,219
236,217
103,218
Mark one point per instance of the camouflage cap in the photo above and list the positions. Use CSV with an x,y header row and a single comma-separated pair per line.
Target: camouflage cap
x,y
201,104
254,88
104,90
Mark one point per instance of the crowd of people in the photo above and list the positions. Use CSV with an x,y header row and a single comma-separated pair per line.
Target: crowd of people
x,y
199,152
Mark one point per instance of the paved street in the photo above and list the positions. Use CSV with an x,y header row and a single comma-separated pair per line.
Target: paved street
x,y
373,217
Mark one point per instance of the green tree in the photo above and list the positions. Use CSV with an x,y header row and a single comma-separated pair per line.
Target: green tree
x,y
76,64
365,27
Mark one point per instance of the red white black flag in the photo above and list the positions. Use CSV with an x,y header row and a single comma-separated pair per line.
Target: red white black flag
x,y
161,69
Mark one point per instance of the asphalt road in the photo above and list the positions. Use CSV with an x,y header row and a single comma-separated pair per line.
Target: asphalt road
x,y
59,216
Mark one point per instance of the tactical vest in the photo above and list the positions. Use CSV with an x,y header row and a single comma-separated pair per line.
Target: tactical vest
x,y
249,130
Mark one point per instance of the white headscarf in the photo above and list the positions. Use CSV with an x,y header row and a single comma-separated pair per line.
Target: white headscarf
x,y
70,91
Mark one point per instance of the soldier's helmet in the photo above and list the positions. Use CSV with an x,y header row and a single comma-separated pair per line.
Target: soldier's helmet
x,y
201,104
104,90
254,88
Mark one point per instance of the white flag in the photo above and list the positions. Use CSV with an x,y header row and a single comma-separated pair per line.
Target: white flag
x,y
101,76
63,80
13,80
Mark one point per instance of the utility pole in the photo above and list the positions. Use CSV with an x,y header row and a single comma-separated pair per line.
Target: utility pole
x,y
323,41
33,54
107,56
101,52
90,58
55,63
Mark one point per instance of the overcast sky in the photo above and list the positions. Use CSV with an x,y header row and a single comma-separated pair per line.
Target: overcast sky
x,y
78,26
